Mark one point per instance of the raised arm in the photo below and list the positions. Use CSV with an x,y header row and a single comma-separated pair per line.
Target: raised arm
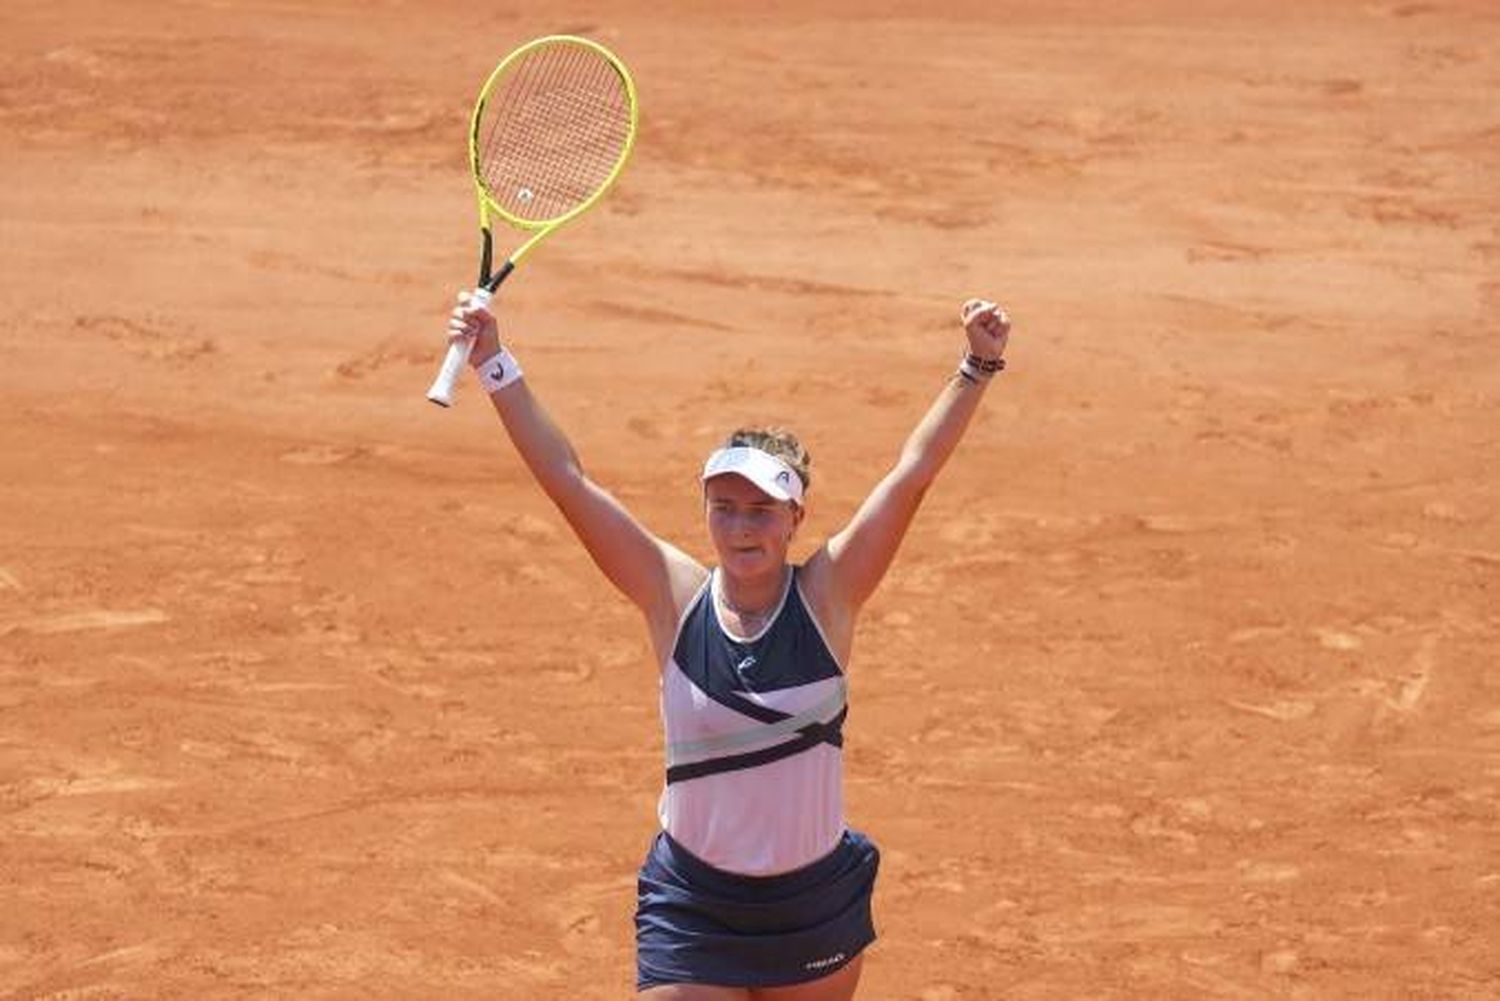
x,y
851,564
653,574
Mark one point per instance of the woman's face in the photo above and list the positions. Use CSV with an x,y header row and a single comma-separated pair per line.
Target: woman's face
x,y
750,529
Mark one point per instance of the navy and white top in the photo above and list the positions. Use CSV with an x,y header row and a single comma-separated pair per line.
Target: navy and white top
x,y
754,732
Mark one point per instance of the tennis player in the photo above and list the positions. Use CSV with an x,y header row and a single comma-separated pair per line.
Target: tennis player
x,y
755,887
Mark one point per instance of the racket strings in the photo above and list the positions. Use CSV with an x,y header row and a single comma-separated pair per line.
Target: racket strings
x,y
554,133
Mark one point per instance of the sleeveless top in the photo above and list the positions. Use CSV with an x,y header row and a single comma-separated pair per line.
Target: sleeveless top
x,y
754,735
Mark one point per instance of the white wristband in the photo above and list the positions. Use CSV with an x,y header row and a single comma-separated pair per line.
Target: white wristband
x,y
498,371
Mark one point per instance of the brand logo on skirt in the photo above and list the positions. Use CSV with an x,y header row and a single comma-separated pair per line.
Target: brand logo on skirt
x,y
823,964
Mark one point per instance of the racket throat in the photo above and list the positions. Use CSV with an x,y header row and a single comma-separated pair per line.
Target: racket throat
x,y
486,258
493,282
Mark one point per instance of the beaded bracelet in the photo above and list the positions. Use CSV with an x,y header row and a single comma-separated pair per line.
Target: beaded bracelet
x,y
977,369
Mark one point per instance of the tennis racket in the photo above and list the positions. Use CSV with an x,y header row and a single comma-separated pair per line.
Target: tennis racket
x,y
551,131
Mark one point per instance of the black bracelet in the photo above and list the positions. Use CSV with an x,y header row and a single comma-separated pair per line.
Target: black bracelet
x,y
989,365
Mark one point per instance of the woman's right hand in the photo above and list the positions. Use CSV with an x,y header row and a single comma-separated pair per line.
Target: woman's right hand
x,y
478,322
987,325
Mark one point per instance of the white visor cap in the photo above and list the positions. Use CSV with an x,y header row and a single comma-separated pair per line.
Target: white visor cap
x,y
761,468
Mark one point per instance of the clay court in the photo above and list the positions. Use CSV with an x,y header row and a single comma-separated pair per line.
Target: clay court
x,y
1183,686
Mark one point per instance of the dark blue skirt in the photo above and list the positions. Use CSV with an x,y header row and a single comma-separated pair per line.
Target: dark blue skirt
x,y
696,924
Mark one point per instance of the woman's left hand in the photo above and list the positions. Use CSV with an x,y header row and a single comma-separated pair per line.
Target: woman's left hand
x,y
987,325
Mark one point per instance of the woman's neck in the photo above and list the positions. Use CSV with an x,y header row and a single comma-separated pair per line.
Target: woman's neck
x,y
756,598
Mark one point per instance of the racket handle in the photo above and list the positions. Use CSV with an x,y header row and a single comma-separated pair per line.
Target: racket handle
x,y
441,392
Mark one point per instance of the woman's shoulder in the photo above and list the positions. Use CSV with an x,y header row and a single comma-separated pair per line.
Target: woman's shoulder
x,y
813,576
686,580
816,587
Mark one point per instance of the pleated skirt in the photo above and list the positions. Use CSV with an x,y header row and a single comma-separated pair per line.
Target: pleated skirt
x,y
696,923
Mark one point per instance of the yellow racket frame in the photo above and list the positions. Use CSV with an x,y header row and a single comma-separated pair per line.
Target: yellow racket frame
x,y
542,228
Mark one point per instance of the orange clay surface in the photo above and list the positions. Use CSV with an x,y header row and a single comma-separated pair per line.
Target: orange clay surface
x,y
1184,685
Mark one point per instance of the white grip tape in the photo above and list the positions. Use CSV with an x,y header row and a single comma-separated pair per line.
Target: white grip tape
x,y
441,392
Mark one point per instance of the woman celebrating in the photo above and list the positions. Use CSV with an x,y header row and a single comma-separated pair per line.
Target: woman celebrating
x,y
755,888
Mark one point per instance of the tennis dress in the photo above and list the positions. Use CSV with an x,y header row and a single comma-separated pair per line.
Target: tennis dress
x,y
755,879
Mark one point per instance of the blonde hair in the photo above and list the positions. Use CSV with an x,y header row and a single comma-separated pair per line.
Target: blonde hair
x,y
778,442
